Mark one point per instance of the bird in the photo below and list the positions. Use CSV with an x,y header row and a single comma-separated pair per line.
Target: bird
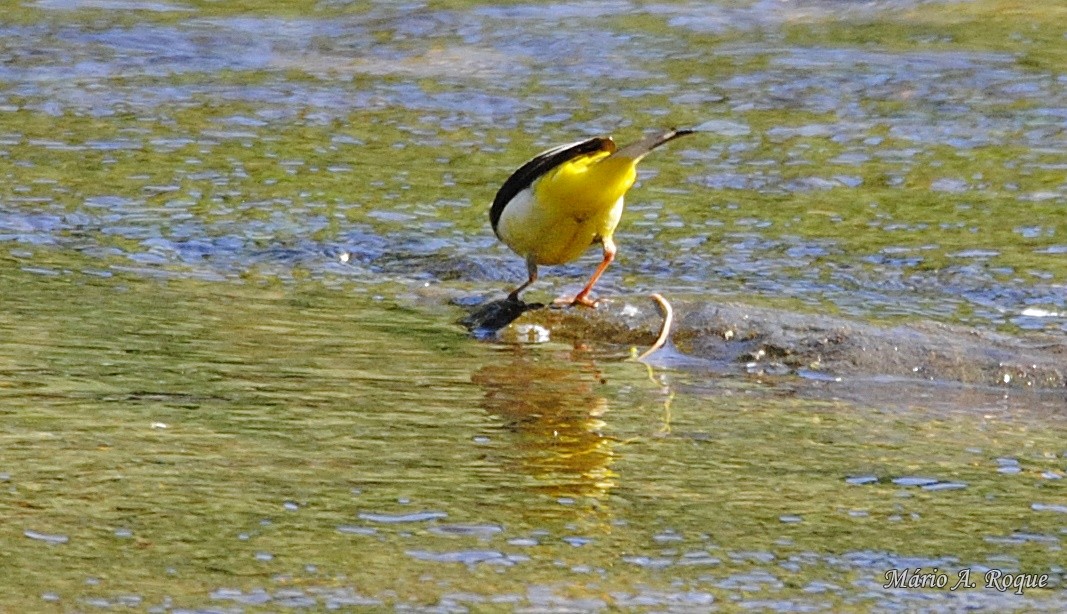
x,y
567,199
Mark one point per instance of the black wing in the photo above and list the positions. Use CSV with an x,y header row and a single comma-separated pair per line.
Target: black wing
x,y
541,164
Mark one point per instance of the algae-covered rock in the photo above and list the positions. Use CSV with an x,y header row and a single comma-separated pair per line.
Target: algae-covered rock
x,y
778,341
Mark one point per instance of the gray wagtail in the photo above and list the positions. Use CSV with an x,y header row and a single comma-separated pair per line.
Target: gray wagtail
x,y
567,199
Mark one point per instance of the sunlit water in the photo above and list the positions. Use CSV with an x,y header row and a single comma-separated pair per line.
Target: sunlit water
x,y
230,380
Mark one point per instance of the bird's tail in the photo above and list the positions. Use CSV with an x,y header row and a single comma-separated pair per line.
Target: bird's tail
x,y
640,149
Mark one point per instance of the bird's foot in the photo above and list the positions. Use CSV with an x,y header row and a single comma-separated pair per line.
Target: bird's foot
x,y
568,301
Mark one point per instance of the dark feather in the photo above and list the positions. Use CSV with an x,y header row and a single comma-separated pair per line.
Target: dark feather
x,y
541,164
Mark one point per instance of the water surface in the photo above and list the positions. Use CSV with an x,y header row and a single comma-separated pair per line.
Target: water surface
x,y
230,369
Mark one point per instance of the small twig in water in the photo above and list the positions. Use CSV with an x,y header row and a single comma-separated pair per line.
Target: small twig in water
x,y
664,331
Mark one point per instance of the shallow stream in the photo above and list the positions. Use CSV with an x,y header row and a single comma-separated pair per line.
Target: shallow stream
x,y
234,242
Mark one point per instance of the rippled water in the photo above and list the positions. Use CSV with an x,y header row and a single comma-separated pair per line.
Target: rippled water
x,y
231,377
925,182
187,444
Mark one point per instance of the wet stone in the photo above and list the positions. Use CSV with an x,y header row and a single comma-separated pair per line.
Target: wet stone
x,y
945,486
402,518
649,562
490,317
467,530
356,530
257,596
914,481
698,558
731,334
50,538
466,557
1049,507
752,581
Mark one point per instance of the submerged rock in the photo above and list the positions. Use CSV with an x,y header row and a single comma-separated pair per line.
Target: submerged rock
x,y
490,317
776,341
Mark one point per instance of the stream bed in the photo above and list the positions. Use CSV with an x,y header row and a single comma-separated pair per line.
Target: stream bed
x,y
236,243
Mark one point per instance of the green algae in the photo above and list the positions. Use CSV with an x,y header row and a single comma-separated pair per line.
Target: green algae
x,y
1032,32
178,430
192,438
190,425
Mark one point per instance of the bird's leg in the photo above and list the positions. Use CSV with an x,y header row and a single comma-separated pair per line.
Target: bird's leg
x,y
531,269
583,297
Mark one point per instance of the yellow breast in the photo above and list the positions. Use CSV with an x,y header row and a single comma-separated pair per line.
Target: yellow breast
x,y
568,209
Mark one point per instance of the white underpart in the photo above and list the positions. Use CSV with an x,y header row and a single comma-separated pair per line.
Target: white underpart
x,y
518,209
523,229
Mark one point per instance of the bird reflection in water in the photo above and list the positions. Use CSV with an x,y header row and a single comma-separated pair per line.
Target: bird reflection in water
x,y
555,412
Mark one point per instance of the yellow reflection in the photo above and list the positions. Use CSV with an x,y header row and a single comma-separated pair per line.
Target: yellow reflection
x,y
552,406
665,390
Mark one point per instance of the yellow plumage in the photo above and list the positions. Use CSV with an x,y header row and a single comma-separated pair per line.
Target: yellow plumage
x,y
566,199
576,203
